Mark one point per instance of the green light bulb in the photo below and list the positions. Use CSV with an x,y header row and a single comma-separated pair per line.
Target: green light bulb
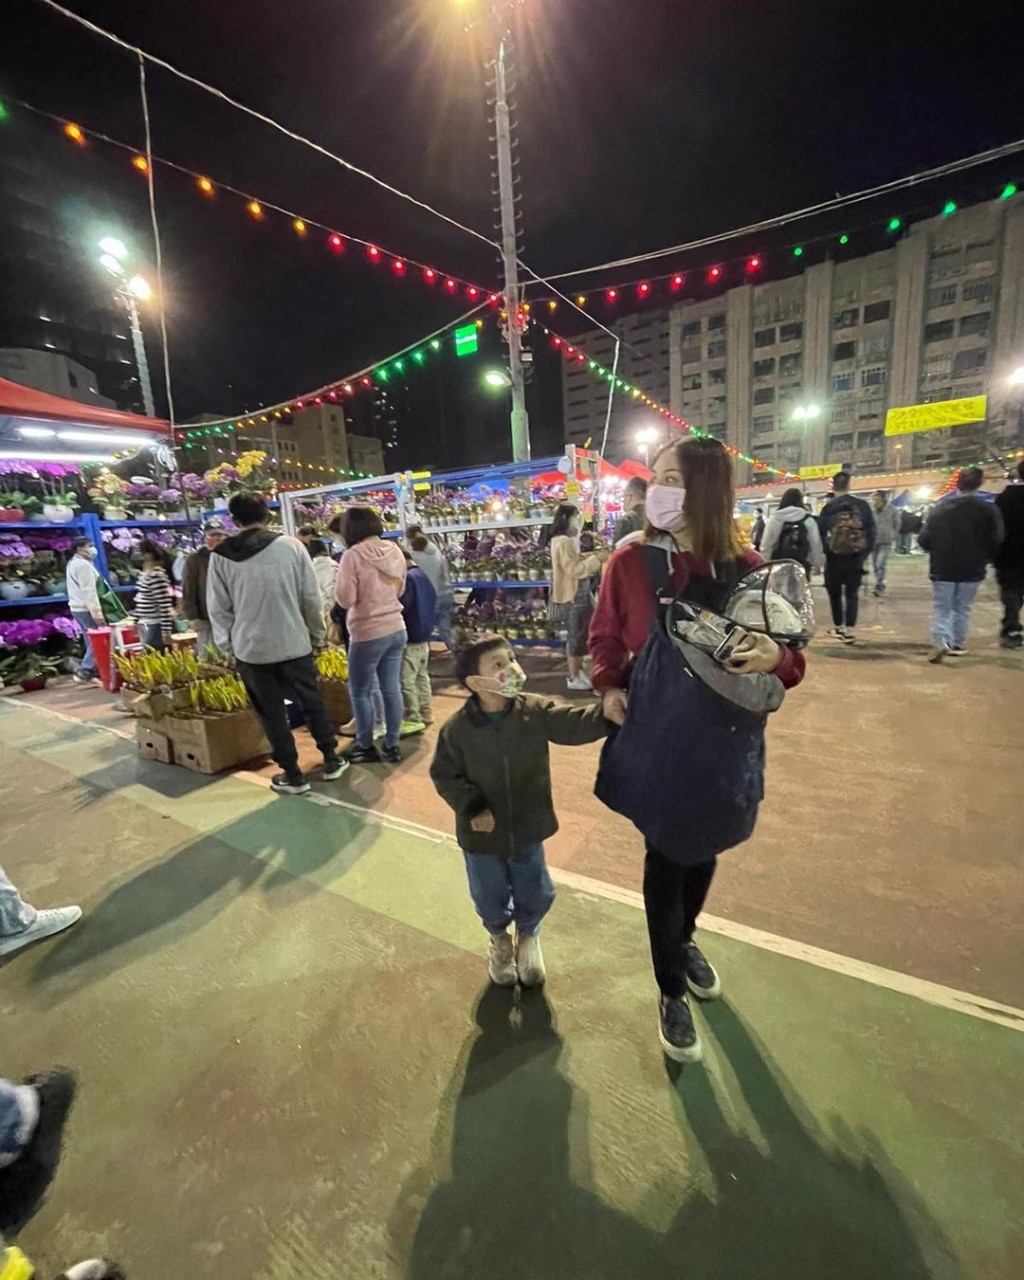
x,y
419,356
798,252
382,375
949,208
895,224
1007,192
436,344
844,239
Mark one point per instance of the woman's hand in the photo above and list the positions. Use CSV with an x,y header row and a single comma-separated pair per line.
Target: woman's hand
x,y
759,653
614,704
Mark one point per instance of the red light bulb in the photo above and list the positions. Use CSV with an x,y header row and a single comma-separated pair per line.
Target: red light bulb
x,y
451,285
644,289
318,400
570,351
473,292
612,294
556,342
373,253
335,242
367,382
398,267
715,273
298,404
494,299
754,263
332,395
429,274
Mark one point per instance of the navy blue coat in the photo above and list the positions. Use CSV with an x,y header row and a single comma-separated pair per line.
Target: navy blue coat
x,y
419,606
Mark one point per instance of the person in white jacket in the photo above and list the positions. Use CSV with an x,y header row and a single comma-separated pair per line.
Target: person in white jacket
x,y
84,602
791,533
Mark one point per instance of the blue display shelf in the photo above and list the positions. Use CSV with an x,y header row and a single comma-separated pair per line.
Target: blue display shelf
x,y
28,525
151,524
483,526
511,584
31,602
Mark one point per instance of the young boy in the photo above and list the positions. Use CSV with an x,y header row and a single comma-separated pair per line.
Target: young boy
x,y
492,766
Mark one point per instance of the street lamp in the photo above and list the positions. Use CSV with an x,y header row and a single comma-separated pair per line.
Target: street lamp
x,y
113,256
499,379
806,412
1016,379
645,438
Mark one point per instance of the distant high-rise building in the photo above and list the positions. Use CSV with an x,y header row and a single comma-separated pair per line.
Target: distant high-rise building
x,y
939,316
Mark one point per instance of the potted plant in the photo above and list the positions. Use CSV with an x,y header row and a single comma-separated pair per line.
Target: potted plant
x,y
109,491
28,668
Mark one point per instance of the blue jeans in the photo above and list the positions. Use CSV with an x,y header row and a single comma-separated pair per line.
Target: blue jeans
x,y
15,915
382,659
153,636
951,612
879,559
510,889
443,620
19,1111
88,669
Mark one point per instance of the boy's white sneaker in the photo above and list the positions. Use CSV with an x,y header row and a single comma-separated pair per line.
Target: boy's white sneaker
x,y
531,960
579,684
501,962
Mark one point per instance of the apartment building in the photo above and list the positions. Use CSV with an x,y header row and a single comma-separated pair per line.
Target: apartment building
x,y
939,316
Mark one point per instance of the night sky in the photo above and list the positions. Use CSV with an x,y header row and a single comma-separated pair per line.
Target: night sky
x,y
641,122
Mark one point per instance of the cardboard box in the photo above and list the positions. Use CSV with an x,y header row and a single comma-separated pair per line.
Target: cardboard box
x,y
153,745
154,706
213,743
336,698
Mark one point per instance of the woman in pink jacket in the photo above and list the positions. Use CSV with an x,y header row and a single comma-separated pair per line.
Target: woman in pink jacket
x,y
371,580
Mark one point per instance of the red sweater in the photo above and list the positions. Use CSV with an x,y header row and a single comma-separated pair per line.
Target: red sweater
x,y
625,610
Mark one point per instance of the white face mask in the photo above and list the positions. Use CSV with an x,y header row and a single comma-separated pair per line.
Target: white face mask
x,y
664,507
506,684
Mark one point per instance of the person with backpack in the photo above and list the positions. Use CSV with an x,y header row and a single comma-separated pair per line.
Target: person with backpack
x,y
792,534
691,773
847,527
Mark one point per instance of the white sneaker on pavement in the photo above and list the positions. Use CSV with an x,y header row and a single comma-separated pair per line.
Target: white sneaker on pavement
x,y
501,962
530,959
579,684
45,924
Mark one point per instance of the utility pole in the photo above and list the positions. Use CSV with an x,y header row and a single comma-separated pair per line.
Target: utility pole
x,y
139,346
520,425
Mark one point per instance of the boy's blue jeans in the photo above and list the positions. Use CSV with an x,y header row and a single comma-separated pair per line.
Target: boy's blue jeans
x,y
515,889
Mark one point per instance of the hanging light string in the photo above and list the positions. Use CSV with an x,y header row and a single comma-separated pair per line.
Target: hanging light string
x,y
571,351
408,357
810,211
267,120
257,207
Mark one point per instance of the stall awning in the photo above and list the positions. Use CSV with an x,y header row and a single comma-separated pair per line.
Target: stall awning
x,y
17,401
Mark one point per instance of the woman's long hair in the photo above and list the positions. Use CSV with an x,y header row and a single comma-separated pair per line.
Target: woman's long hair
x,y
792,498
710,498
563,518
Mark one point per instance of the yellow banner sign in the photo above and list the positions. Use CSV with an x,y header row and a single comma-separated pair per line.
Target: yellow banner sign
x,y
821,473
933,417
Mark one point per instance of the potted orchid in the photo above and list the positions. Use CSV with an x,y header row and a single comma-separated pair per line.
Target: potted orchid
x,y
109,491
25,663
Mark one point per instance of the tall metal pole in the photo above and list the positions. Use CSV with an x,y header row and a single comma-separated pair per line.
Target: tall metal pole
x,y
520,424
141,363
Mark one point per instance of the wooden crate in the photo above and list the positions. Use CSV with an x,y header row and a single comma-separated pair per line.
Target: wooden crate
x,y
212,743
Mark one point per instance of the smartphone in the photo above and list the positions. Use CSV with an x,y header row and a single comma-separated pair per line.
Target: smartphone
x,y
736,639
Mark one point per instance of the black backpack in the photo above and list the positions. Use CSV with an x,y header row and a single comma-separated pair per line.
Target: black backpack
x,y
847,536
794,542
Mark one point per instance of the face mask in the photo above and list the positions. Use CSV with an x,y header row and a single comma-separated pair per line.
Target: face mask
x,y
89,553
664,507
506,684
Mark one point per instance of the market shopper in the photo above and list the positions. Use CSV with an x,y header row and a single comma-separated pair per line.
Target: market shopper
x,y
962,536
572,595
492,766
888,521
21,925
632,520
847,527
82,579
371,580
325,569
791,533
434,564
266,611
1010,562
419,610
692,540
154,605
193,586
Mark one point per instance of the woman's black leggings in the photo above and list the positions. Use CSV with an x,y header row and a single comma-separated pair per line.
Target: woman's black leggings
x,y
673,897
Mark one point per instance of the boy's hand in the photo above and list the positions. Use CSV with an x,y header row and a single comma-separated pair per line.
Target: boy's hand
x,y
483,822
614,704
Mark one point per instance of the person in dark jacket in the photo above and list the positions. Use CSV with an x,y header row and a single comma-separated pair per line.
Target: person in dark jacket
x,y
634,496
1010,561
493,768
847,526
961,536
419,609
193,586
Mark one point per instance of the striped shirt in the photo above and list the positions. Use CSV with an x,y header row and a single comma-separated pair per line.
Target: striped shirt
x,y
153,600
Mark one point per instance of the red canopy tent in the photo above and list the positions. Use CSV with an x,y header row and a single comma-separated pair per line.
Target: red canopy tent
x,y
605,470
17,401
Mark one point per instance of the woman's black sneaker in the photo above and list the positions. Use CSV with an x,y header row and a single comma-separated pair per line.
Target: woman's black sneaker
x,y
362,755
678,1035
393,755
289,784
701,977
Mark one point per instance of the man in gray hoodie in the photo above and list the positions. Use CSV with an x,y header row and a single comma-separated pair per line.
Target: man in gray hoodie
x,y
266,611
887,530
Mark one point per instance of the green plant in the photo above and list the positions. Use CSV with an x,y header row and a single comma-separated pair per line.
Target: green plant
x,y
27,664
63,500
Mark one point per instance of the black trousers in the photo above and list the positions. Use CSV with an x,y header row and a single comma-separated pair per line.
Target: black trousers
x,y
268,684
673,897
843,576
1011,592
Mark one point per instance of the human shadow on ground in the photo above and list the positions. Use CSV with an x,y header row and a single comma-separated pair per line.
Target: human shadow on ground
x,y
794,1201
802,1208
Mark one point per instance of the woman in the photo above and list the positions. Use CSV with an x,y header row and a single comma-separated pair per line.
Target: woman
x,y
434,564
571,590
689,510
154,608
792,534
325,569
371,580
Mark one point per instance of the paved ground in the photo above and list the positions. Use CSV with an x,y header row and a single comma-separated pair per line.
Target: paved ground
x,y
291,1064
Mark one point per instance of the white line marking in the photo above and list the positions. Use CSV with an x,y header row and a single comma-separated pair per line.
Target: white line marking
x,y
889,979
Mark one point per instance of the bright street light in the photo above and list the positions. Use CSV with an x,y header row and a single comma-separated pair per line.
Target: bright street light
x,y
1016,379
113,255
114,247
498,379
138,286
806,412
646,437
109,263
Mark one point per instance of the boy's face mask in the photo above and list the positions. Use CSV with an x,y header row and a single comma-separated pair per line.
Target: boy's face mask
x,y
507,683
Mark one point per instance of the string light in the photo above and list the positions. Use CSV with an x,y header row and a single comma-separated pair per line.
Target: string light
x,y
754,263
714,274
299,227
798,251
895,224
76,135
844,238
1009,191
140,163
255,209
335,242
373,253
205,186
